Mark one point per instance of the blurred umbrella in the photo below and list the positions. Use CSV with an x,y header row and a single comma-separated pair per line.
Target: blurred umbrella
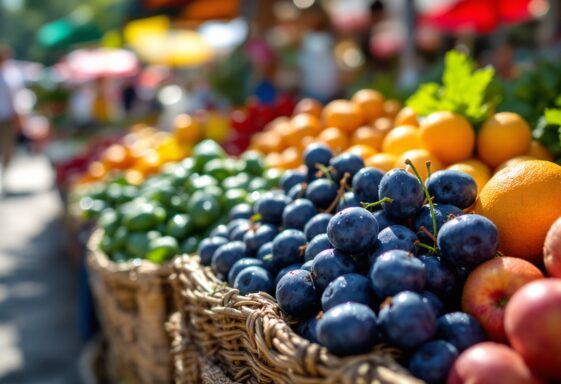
x,y
224,36
73,29
482,16
86,64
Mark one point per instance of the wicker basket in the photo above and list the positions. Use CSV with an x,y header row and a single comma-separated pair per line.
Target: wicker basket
x,y
134,301
190,367
249,337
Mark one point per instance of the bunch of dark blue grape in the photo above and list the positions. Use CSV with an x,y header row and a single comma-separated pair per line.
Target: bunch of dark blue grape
x,y
356,257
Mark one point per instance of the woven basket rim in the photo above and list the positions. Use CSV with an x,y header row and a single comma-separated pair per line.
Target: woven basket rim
x,y
271,334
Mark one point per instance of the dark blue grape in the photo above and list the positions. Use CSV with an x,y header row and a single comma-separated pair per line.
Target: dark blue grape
x,y
265,254
348,329
317,225
348,201
270,207
285,270
396,271
308,329
291,178
346,163
468,240
317,154
316,245
297,295
395,237
406,193
442,213
238,233
208,246
298,191
298,213
257,235
435,302
241,211
219,231
460,329
307,266
226,255
330,264
353,230
366,183
322,192
407,321
350,287
441,276
384,221
433,361
235,225
254,279
288,248
452,187
240,265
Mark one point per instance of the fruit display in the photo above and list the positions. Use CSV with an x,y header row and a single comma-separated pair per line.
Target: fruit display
x,y
356,257
170,212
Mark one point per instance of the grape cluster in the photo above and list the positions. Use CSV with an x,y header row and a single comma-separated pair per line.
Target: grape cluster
x,y
355,257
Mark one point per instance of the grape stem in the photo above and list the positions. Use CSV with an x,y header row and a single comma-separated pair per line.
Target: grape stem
x,y
427,195
427,232
428,247
376,203
340,192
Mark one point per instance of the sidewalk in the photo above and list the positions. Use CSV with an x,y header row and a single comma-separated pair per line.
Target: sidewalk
x,y
39,335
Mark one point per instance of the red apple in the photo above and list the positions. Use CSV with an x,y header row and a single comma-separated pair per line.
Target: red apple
x,y
489,288
552,250
533,326
487,363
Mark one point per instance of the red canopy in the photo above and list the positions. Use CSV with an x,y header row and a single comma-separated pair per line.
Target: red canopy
x,y
481,16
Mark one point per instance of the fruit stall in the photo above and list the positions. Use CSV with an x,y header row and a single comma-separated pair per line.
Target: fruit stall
x,y
361,240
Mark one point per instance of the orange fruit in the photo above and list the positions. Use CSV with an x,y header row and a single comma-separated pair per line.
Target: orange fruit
x,y
274,160
334,138
476,169
306,122
362,150
116,157
271,126
291,158
401,139
523,201
449,136
513,161
134,176
419,158
406,116
187,129
383,124
539,151
271,142
502,137
382,161
368,136
343,114
392,108
370,102
305,142
96,170
310,106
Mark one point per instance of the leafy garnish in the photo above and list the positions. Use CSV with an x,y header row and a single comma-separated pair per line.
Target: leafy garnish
x,y
463,90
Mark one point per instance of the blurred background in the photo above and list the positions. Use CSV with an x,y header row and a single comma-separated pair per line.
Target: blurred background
x,y
80,79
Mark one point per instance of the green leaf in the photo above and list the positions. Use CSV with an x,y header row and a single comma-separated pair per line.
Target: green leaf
x,y
464,90
553,116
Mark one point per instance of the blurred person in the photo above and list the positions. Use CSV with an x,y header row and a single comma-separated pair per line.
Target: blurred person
x,y
10,83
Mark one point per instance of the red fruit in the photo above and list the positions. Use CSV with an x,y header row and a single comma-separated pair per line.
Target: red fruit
x,y
489,288
533,326
552,250
490,363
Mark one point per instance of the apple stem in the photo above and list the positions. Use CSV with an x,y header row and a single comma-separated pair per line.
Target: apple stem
x,y
499,254
427,195
376,203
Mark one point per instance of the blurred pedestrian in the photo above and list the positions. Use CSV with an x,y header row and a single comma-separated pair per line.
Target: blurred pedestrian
x,y
10,83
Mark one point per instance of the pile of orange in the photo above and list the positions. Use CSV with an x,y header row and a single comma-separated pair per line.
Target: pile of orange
x,y
385,134
142,152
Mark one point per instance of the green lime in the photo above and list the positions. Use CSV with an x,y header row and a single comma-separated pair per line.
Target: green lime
x,y
190,244
188,164
106,245
162,249
273,177
120,238
120,257
254,164
91,208
204,210
257,183
241,180
206,151
214,191
218,168
143,217
138,244
115,193
179,226
109,221
233,197
129,192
